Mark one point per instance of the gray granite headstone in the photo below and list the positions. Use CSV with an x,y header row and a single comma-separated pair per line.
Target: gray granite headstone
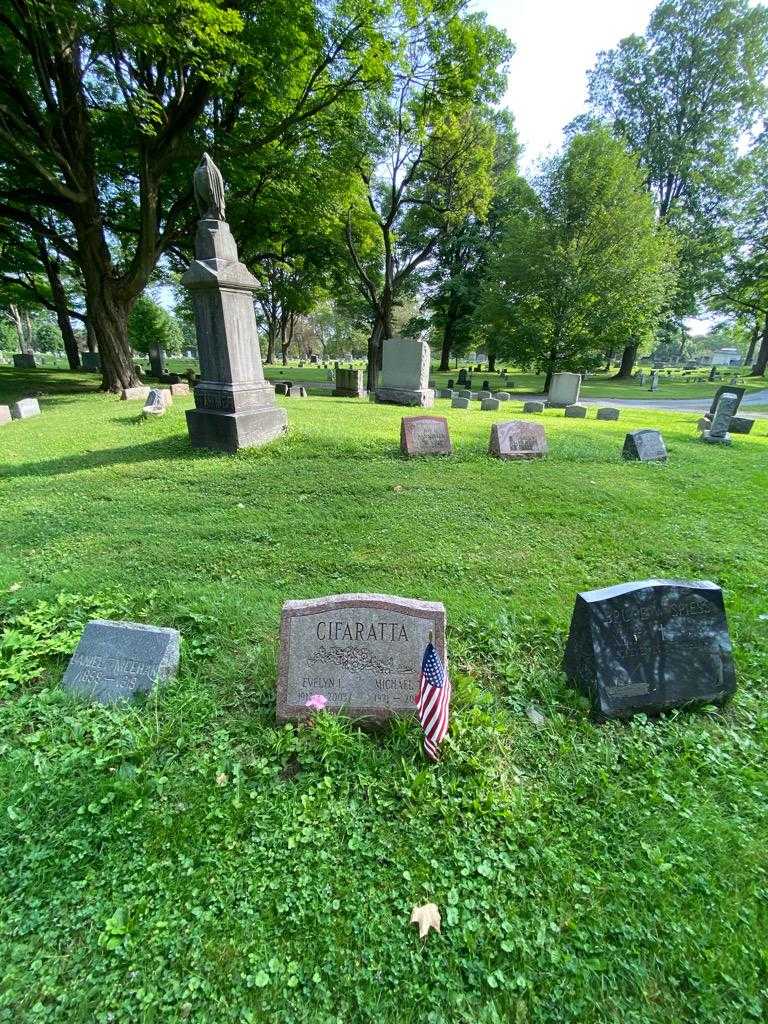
x,y
645,446
155,404
404,378
741,425
133,394
608,413
5,414
424,435
721,391
25,408
564,390
517,439
297,391
577,412
484,394
349,384
157,360
114,661
490,404
25,360
465,394
533,407
362,652
649,646
655,381
445,393
727,404
459,403
503,396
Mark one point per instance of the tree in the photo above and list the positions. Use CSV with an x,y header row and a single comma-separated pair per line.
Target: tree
x,y
427,155
106,107
581,262
149,324
681,96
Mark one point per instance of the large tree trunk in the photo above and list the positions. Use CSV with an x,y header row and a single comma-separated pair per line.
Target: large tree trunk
x,y
628,357
491,362
60,302
753,342
382,329
448,335
109,321
269,361
758,370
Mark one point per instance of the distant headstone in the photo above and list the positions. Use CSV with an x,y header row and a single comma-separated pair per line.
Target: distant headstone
x,y
741,425
424,435
91,361
727,404
490,404
649,646
607,413
297,391
404,376
655,381
645,445
314,360
517,439
25,360
465,394
180,389
115,661
642,380
459,403
361,652
484,394
133,394
445,393
462,376
503,396
25,408
157,360
533,406
704,423
578,412
5,414
486,386
155,404
564,390
713,373
281,388
349,384
450,385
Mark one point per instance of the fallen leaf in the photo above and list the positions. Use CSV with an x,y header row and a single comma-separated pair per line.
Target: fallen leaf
x,y
14,586
222,779
535,716
426,917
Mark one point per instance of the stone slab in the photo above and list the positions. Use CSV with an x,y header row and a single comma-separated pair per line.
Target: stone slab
x,y
228,432
134,394
645,446
424,398
5,414
155,404
465,394
424,435
709,438
405,365
490,404
608,413
578,412
115,661
459,403
649,646
738,391
517,439
741,425
503,396
349,384
362,652
25,408
564,390
484,394
445,393
533,406
297,391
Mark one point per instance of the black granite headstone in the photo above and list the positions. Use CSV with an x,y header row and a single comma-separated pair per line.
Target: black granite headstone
x,y
720,391
650,646
116,660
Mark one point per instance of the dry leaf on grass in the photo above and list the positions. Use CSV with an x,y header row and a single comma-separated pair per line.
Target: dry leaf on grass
x,y
426,917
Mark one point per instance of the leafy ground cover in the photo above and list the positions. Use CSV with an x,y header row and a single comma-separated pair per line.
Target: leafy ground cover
x,y
187,859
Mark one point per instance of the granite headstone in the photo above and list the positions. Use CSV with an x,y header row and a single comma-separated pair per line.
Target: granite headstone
x,y
564,390
645,446
25,408
424,435
517,439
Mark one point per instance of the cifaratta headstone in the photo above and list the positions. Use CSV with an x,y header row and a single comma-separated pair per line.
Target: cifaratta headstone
x,y
361,652
517,439
115,661
234,406
424,435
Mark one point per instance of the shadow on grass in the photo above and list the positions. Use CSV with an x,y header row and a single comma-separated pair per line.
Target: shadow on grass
x,y
164,448
53,385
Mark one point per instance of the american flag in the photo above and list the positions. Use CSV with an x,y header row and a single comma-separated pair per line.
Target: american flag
x,y
433,700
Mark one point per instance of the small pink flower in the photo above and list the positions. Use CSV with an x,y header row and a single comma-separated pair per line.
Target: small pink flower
x,y
317,702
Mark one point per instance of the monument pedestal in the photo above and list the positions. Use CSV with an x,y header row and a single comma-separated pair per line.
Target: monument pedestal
x,y
422,397
720,439
230,431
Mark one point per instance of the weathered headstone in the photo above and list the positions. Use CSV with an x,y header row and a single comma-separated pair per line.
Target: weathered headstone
x,y
732,389
578,412
486,387
155,404
608,413
503,396
704,423
362,652
115,661
424,435
649,646
297,391
645,445
564,390
533,407
462,379
484,394
179,390
132,394
450,385
465,394
713,373
727,405
25,360
404,376
281,388
349,384
25,408
234,406
459,403
741,425
157,360
5,414
445,393
518,439
490,404
654,381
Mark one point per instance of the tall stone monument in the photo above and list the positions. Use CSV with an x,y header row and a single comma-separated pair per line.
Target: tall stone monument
x,y
404,376
234,406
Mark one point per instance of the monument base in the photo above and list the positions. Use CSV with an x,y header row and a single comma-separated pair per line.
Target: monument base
x,y
722,439
422,397
230,431
349,393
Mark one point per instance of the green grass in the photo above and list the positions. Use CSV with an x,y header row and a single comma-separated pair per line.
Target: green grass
x,y
188,859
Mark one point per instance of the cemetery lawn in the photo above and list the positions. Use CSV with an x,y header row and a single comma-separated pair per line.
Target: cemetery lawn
x,y
188,859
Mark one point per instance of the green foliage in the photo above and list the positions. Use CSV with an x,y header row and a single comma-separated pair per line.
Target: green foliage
x,y
581,265
150,324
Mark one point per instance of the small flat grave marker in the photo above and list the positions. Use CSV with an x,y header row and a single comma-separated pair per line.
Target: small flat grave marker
x,y
741,425
459,403
25,408
134,394
362,652
607,413
645,446
533,407
517,439
424,435
650,646
114,661
578,412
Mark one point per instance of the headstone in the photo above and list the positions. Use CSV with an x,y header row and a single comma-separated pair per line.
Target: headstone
x,y
739,391
281,388
486,387
155,404
642,380
704,423
741,425
180,389
645,445
167,396
25,360
578,412
234,406
91,361
564,390
459,403
424,435
5,414
608,413
445,393
314,360
157,360
349,384
503,396
25,408
484,394
362,652
297,391
462,376
518,439
727,405
465,394
490,404
404,378
450,385
115,661
713,373
649,646
533,406
654,381
132,394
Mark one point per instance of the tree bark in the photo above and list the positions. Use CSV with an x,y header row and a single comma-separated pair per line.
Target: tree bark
x,y
628,357
448,334
758,370
59,296
752,342
491,362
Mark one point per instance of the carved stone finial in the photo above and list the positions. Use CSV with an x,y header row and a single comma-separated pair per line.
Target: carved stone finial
x,y
209,190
